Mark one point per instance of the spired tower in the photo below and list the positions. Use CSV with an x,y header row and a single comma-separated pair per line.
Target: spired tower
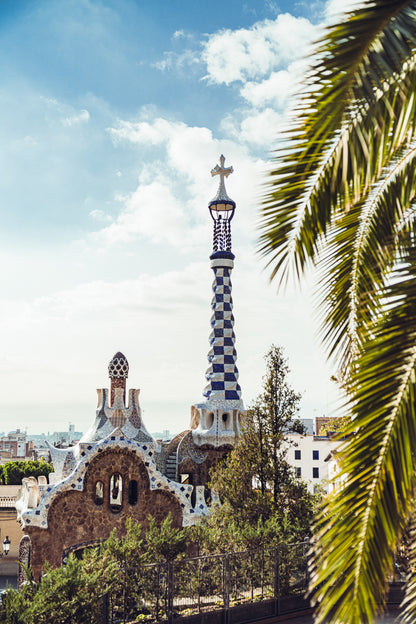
x,y
216,421
117,470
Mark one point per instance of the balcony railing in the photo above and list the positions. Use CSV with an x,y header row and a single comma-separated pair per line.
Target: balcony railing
x,y
7,502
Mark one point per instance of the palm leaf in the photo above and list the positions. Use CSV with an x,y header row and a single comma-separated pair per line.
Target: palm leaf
x,y
358,530
364,248
346,127
342,195
409,602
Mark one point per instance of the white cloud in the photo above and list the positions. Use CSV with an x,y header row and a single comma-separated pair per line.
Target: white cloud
x,y
262,128
165,207
257,128
161,323
151,212
273,91
336,8
170,202
244,54
81,117
99,215
144,132
177,60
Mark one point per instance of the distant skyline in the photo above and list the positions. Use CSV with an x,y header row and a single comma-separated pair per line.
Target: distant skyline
x,y
113,114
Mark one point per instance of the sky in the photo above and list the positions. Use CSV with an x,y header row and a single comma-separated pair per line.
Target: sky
x,y
113,113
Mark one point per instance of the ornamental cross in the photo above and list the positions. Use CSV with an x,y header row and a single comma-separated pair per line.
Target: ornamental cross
x,y
221,171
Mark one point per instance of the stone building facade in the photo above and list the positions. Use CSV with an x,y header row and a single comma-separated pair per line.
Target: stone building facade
x,y
14,446
117,469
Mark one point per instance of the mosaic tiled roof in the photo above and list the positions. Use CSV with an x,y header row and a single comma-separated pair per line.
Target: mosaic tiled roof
x,y
118,368
222,373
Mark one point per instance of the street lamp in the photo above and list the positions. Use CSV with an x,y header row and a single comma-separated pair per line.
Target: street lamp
x,y
6,547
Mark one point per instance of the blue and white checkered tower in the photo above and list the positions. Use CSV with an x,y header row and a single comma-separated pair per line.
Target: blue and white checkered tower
x,y
217,421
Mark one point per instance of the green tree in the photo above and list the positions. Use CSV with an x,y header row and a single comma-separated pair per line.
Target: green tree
x,y
68,594
14,604
64,595
164,541
255,482
122,560
15,471
342,197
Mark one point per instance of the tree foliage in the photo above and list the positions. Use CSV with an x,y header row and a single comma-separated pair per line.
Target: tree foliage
x,y
74,592
64,595
14,471
342,197
255,482
165,542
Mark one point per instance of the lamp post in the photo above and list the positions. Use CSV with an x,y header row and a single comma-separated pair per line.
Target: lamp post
x,y
6,547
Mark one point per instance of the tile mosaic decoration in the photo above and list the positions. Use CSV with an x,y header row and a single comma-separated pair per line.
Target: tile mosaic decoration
x,y
38,515
221,412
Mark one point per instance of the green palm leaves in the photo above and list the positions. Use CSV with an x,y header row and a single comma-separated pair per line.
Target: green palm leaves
x,y
342,196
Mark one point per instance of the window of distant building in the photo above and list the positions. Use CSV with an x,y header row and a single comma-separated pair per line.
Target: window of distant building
x,y
297,454
116,492
315,473
315,454
298,471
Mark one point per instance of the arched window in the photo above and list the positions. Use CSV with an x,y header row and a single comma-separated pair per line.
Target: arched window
x,y
210,420
225,419
133,492
116,492
99,493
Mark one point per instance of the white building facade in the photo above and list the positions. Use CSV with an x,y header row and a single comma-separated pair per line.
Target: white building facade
x,y
309,455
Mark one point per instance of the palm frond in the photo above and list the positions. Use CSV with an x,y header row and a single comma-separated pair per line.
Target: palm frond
x,y
345,128
409,603
365,246
378,462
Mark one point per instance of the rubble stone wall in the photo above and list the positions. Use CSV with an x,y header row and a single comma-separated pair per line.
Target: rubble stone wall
x,y
199,473
75,518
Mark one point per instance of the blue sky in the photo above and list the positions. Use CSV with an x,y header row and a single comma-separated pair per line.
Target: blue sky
x,y
112,116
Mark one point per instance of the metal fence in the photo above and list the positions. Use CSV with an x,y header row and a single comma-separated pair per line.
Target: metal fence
x,y
270,579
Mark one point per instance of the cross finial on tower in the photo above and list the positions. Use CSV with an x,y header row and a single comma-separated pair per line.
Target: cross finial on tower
x,y
223,172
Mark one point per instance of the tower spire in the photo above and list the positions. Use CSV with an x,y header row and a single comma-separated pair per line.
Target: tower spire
x,y
222,209
219,415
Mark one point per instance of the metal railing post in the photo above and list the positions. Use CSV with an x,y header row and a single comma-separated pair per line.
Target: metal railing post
x,y
277,582
104,609
170,592
226,587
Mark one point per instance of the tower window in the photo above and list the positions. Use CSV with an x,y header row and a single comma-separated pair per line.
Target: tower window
x,y
133,492
99,493
297,454
116,492
315,473
225,418
315,454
